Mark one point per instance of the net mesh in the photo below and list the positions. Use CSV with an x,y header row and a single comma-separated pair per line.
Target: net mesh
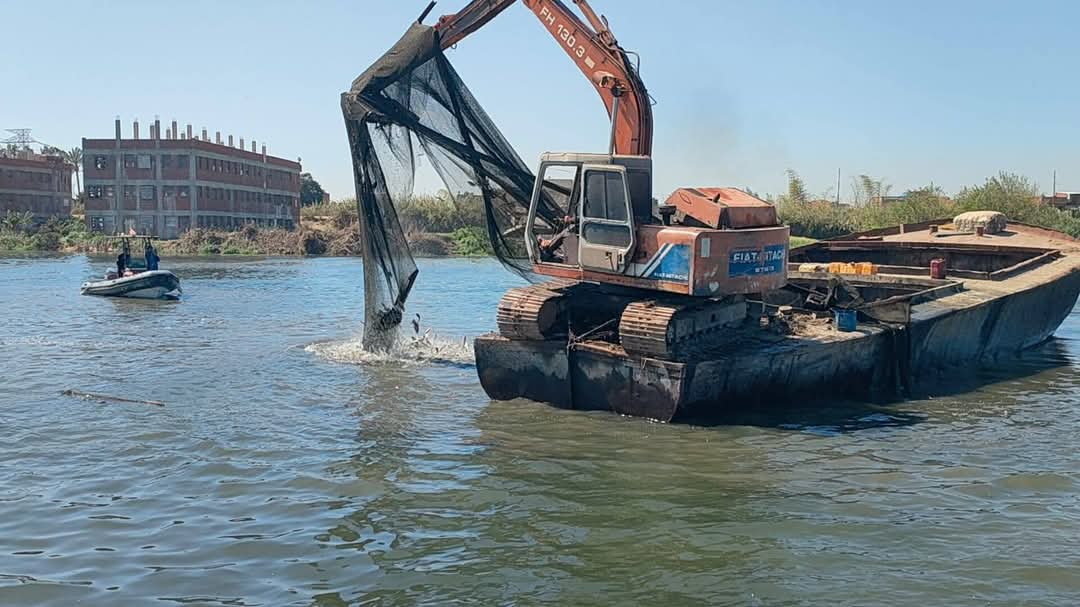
x,y
412,100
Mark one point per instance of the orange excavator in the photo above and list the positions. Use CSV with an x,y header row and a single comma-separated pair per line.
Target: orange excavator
x,y
663,277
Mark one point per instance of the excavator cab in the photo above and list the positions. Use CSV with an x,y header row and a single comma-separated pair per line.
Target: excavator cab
x,y
600,199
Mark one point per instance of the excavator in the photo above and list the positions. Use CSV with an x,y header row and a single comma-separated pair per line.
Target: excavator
x,y
661,278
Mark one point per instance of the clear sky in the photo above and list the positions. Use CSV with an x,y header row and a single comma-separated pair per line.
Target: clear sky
x,y
920,91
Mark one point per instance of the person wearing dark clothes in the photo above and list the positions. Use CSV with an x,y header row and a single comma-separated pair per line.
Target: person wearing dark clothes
x,y
121,263
151,257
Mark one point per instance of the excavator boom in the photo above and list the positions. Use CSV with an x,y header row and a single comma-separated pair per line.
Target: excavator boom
x,y
593,49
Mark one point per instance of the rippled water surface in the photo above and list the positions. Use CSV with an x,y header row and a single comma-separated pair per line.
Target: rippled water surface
x,y
288,468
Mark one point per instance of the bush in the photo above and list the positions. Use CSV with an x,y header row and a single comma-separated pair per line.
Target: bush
x,y
11,240
1017,198
45,241
441,214
430,245
1011,194
471,242
311,243
817,219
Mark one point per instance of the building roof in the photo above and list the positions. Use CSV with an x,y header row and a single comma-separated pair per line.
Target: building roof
x,y
37,162
102,145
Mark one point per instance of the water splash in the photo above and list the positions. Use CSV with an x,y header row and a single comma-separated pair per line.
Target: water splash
x,y
416,349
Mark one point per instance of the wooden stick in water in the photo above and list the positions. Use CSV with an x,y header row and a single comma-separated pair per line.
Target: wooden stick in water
x,y
117,399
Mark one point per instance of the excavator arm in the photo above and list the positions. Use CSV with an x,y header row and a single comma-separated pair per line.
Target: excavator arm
x,y
593,49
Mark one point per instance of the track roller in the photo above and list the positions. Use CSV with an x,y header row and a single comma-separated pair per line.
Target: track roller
x,y
656,329
532,312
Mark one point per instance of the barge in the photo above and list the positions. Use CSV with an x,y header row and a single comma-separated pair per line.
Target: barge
x,y
933,297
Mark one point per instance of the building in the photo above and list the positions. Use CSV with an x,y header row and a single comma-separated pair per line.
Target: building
x,y
1063,200
166,185
35,183
886,200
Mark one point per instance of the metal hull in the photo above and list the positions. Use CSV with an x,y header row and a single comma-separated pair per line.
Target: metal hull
x,y
986,323
157,284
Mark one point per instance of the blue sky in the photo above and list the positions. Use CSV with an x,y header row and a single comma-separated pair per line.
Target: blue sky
x,y
947,92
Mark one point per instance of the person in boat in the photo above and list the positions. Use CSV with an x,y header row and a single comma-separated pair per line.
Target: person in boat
x,y
121,264
151,256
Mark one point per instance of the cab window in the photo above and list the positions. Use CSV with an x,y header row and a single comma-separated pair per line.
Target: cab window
x,y
605,196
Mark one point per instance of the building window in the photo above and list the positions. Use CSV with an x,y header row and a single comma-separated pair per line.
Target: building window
x,y
146,192
97,224
166,161
101,162
129,191
182,191
145,161
94,191
129,161
110,192
181,161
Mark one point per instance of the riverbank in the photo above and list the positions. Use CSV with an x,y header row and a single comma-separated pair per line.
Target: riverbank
x,y
441,226
334,235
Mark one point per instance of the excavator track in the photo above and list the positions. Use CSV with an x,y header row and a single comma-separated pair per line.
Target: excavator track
x,y
532,312
661,328
657,329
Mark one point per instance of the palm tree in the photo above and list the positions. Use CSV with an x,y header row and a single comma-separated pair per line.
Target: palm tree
x,y
74,156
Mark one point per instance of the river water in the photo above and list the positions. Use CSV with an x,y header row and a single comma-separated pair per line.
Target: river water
x,y
288,468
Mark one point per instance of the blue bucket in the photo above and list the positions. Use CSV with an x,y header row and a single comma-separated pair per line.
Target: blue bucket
x,y
846,320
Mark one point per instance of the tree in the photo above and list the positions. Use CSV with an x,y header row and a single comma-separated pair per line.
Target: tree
x,y
1009,193
865,189
74,158
310,190
12,150
797,192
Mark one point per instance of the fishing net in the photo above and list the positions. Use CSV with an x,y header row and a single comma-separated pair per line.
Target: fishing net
x,y
410,101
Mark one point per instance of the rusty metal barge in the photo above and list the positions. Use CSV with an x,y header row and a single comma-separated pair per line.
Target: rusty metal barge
x,y
993,295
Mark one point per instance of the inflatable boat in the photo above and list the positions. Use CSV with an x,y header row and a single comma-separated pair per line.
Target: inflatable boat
x,y
151,284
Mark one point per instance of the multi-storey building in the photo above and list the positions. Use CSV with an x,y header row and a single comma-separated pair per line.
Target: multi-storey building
x,y
35,183
167,185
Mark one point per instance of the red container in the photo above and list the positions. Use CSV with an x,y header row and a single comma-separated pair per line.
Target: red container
x,y
937,269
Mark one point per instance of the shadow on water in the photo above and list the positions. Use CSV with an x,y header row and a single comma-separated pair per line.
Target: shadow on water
x,y
817,417
1041,365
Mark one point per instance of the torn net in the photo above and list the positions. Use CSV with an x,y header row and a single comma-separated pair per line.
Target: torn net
x,y
412,97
